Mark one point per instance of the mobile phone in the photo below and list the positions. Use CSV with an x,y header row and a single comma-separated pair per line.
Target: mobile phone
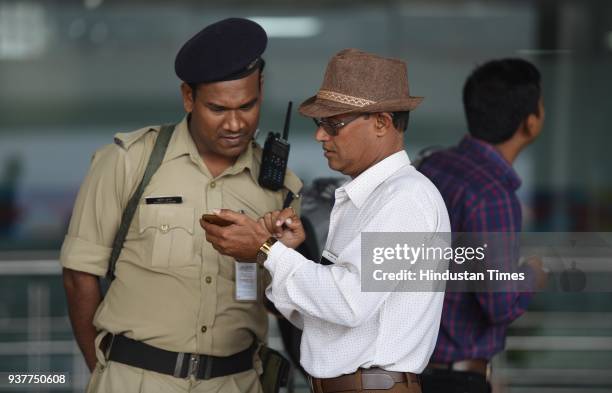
x,y
216,220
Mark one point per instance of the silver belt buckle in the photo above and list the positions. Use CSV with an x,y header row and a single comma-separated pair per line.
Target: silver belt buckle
x,y
192,368
376,381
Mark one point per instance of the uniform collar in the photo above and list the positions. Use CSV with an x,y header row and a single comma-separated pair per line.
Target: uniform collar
x,y
360,188
182,144
245,162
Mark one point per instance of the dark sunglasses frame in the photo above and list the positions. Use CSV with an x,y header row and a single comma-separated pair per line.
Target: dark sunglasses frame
x,y
333,128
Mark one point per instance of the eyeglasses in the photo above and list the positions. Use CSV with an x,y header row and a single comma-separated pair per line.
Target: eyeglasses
x,y
332,128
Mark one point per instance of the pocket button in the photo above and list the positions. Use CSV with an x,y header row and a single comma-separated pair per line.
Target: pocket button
x,y
164,228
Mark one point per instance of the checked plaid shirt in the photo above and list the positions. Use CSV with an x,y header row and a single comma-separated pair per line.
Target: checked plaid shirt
x,y
478,187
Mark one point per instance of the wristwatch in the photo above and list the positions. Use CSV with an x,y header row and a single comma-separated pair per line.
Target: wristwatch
x,y
265,250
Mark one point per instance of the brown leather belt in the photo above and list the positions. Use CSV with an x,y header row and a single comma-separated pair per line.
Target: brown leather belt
x,y
469,365
364,379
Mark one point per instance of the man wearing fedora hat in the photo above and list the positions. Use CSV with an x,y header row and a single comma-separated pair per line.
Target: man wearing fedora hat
x,y
352,340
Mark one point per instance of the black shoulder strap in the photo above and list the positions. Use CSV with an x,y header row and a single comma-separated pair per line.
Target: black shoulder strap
x,y
155,160
288,199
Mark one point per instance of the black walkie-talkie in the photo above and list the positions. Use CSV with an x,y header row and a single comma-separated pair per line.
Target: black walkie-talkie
x,y
275,156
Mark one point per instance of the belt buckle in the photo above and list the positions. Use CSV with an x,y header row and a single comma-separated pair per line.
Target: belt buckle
x,y
192,366
195,364
376,381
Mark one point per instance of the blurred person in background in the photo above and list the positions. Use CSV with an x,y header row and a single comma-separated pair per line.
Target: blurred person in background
x,y
352,340
9,209
504,111
173,319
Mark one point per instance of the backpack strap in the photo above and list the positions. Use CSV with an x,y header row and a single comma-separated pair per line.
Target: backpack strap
x,y
155,160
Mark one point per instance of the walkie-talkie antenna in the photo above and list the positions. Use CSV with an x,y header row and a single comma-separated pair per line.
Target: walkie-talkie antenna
x,y
287,121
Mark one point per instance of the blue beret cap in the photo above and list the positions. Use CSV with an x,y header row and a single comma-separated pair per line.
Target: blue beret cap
x,y
226,50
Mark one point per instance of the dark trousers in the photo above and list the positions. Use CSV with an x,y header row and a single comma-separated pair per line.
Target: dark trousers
x,y
450,381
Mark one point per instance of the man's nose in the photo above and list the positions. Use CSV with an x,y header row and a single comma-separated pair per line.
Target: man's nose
x,y
321,135
233,121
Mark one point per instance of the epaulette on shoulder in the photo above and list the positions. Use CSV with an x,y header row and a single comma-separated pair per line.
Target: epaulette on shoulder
x,y
127,139
292,182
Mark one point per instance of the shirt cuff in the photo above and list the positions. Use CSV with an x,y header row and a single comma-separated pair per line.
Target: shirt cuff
x,y
282,262
84,256
276,249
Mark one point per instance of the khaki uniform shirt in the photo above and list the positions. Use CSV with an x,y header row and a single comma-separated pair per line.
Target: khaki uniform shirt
x,y
172,289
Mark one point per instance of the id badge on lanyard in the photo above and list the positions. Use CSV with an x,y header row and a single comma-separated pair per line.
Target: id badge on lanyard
x,y
246,282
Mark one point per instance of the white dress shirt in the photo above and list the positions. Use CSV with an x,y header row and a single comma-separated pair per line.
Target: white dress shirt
x,y
345,328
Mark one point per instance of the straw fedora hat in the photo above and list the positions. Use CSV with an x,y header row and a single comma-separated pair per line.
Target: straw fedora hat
x,y
357,81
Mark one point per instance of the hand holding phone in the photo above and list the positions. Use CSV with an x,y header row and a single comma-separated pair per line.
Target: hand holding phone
x,y
216,220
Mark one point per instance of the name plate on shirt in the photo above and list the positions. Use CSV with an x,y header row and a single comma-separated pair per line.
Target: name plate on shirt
x,y
327,258
246,281
162,200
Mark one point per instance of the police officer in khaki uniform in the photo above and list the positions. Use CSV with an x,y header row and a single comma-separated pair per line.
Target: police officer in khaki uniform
x,y
177,317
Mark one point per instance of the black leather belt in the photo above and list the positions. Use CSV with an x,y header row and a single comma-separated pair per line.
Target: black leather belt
x,y
180,365
478,366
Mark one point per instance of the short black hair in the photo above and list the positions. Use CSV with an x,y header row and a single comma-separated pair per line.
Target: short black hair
x,y
498,96
400,120
194,86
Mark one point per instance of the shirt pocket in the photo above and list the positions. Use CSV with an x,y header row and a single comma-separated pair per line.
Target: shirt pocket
x,y
254,204
167,234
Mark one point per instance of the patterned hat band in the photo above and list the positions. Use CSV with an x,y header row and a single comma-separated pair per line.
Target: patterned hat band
x,y
344,99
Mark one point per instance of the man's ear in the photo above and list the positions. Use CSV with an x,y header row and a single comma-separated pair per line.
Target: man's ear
x,y
383,123
187,94
261,85
532,126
